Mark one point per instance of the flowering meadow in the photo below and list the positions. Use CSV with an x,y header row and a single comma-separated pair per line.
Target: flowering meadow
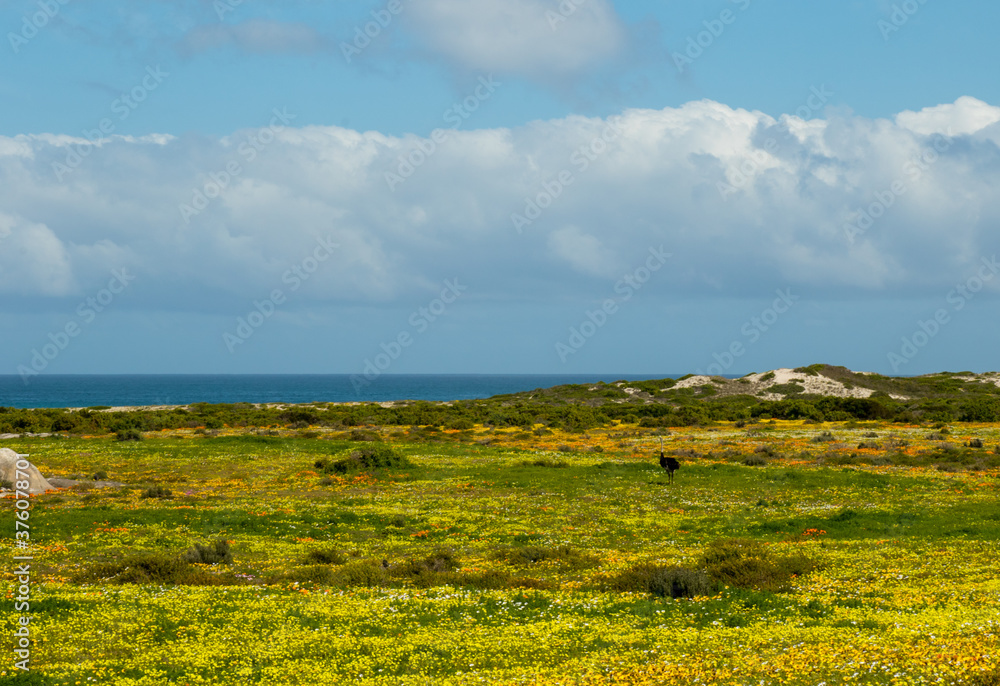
x,y
513,556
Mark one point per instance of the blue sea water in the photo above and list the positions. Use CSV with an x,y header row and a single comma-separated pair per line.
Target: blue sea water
x,y
163,389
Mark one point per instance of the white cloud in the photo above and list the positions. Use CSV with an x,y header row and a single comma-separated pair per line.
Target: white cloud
x,y
532,38
650,179
33,261
582,251
966,115
254,35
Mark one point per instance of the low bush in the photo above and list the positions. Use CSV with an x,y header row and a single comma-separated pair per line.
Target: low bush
x,y
128,435
545,462
664,581
157,491
565,555
431,570
216,552
312,574
153,568
367,573
324,556
363,435
369,458
750,564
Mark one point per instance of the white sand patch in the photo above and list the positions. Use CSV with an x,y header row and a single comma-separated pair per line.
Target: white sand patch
x,y
818,385
693,381
991,377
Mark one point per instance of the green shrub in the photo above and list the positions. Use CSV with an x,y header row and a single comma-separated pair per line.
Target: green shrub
x,y
825,437
545,462
324,556
490,579
368,573
786,388
128,435
754,461
664,581
461,424
216,552
99,476
369,458
157,491
747,563
152,568
528,555
430,570
314,574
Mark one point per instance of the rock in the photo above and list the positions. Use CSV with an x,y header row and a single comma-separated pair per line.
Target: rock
x,y
8,472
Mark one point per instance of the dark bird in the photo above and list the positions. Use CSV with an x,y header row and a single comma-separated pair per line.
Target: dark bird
x,y
668,463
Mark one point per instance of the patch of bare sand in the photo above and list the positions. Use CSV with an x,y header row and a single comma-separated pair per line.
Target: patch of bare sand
x,y
819,385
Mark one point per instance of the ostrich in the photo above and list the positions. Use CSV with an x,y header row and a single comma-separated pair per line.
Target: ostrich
x,y
668,463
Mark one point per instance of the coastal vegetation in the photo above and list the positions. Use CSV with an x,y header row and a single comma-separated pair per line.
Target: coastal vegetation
x,y
961,397
453,548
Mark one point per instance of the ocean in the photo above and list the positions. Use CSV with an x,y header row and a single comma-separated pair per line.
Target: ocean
x,y
181,389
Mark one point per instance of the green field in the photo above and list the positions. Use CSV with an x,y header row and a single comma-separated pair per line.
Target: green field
x,y
511,556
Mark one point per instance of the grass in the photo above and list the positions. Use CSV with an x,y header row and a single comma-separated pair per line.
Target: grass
x,y
471,563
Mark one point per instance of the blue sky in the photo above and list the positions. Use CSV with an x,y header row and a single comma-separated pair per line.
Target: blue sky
x,y
498,186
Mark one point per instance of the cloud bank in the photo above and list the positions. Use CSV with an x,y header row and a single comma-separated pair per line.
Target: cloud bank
x,y
841,206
